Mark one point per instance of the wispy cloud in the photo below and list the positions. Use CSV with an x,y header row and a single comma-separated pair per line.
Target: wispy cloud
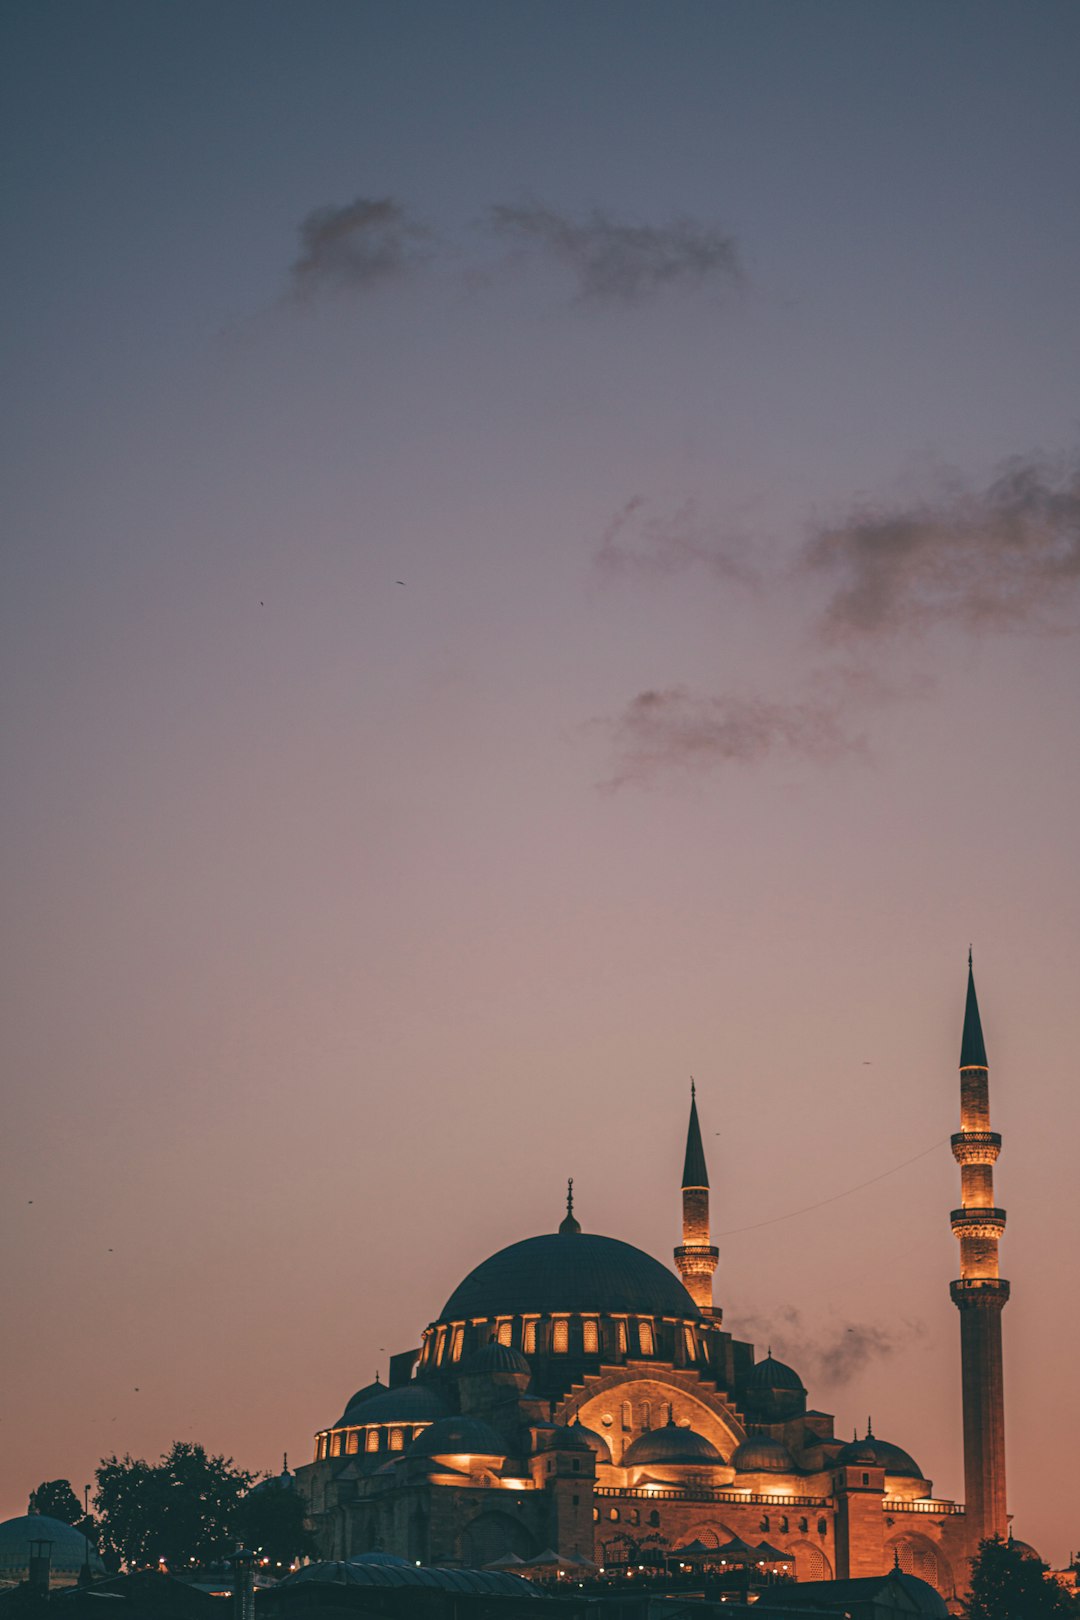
x,y
675,730
639,541
615,261
832,1353
356,246
998,558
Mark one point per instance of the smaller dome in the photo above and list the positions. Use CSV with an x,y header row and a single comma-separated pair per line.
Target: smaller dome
x,y
875,1453
68,1550
365,1394
670,1446
594,1441
771,1374
565,1437
761,1454
496,1358
407,1403
466,1436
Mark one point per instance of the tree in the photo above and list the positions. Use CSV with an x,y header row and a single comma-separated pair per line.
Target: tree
x,y
1008,1583
182,1510
56,1500
270,1521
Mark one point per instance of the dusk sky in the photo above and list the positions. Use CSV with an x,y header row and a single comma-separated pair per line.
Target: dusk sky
x,y
542,556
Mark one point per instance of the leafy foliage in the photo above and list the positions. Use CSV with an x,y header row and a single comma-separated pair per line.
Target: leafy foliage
x,y
1009,1584
56,1500
271,1522
181,1510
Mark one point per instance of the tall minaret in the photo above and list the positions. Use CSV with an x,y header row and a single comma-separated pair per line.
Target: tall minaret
x,y
980,1294
696,1259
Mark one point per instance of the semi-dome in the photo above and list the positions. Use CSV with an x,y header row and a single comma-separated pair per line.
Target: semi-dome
x,y
408,1403
67,1553
772,1374
494,1358
461,1436
569,1271
670,1446
761,1454
875,1453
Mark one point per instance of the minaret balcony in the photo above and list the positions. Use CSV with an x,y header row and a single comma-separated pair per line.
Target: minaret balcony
x,y
991,1291
978,1223
976,1147
697,1257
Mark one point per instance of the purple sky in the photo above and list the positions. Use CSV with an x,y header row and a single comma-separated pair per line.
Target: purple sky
x,y
707,372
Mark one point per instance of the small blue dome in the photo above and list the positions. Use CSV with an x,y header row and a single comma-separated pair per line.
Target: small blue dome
x,y
497,1358
469,1436
761,1454
772,1374
672,1447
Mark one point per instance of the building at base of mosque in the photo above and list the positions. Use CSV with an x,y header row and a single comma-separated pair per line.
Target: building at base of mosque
x,y
575,1395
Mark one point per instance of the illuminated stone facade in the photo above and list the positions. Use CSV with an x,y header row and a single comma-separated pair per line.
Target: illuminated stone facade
x,y
574,1394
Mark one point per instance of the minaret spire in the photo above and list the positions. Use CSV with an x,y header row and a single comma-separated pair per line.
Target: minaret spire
x,y
696,1259
980,1293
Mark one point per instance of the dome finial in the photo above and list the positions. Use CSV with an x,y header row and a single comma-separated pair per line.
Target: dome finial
x,y
693,1089
869,1429
569,1224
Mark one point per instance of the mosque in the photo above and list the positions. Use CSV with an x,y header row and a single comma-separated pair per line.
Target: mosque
x,y
576,1396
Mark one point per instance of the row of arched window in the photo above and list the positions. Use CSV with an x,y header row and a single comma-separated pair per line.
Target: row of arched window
x,y
382,1437
558,1335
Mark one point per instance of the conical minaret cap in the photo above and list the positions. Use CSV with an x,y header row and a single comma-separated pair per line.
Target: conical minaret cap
x,y
694,1171
972,1045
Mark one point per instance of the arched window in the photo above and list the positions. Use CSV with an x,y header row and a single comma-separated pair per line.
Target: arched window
x,y
596,1515
560,1336
654,1519
397,1440
614,1515
634,1516
627,1417
352,1444
782,1525
590,1336
764,1525
320,1448
440,1345
504,1332
529,1341
803,1526
646,1415
371,1440
691,1343
621,1337
459,1342
822,1527
645,1338
335,1448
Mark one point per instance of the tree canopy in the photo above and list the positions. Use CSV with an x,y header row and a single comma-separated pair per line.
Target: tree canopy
x,y
181,1510
56,1500
1008,1583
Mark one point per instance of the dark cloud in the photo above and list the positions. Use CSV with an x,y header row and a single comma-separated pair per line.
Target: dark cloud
x,y
998,558
613,261
676,730
832,1353
637,541
357,246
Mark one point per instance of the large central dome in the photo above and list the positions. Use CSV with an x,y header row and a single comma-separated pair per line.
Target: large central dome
x,y
570,1271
